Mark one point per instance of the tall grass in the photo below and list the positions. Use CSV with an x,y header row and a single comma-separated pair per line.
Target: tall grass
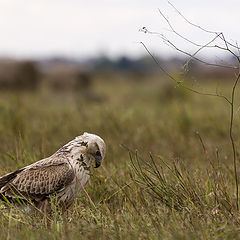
x,y
180,191
217,41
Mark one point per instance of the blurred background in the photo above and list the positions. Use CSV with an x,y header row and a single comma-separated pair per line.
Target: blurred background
x,y
73,66
61,43
70,66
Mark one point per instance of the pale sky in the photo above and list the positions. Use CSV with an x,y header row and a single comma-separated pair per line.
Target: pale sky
x,y
80,28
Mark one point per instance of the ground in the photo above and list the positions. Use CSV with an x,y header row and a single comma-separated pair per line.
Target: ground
x,y
168,172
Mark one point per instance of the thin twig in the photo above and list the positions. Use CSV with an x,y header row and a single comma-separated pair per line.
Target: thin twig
x,y
201,28
177,82
202,47
231,102
192,56
231,137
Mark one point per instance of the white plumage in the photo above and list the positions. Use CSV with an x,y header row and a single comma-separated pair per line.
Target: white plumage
x,y
58,174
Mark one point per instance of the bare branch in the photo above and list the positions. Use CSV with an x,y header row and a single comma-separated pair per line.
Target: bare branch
x,y
226,48
178,34
231,137
178,82
192,56
201,28
198,59
202,47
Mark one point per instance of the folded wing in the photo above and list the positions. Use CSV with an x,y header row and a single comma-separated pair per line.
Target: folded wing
x,y
36,183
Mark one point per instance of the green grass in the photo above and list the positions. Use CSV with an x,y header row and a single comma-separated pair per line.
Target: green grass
x,y
158,180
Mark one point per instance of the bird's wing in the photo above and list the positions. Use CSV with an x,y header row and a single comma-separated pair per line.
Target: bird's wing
x,y
39,181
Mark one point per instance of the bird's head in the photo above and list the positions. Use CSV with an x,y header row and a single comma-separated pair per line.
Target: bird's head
x,y
89,145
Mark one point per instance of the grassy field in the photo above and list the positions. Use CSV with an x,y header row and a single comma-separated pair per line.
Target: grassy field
x,y
168,172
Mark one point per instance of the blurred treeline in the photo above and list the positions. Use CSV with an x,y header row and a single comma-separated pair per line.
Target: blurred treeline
x,y
70,74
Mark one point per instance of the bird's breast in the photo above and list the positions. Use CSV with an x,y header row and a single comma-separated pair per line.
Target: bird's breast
x,y
82,174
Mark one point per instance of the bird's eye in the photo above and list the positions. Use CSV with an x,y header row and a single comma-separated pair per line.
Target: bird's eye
x,y
98,153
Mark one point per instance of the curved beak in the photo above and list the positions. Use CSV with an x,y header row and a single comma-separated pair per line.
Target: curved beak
x,y
98,161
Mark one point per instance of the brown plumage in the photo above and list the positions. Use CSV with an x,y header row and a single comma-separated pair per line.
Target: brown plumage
x,y
56,175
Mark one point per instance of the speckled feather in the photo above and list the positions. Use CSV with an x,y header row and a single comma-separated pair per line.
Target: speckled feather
x,y
39,181
55,174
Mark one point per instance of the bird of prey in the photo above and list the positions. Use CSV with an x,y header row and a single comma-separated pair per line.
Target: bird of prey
x,y
59,175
